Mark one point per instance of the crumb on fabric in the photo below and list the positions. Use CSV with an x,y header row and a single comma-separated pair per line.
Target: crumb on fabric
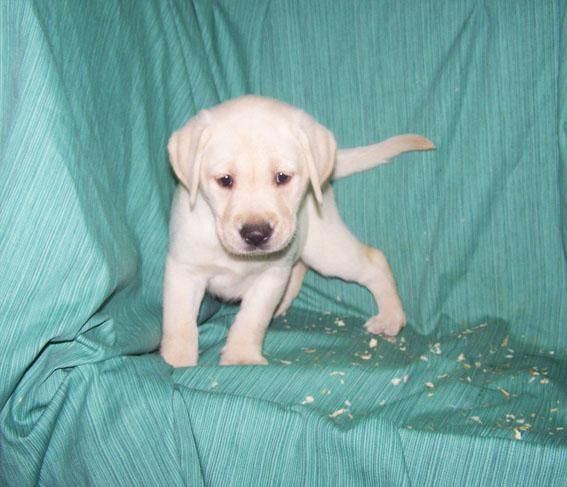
x,y
435,348
308,400
338,413
396,381
504,392
340,374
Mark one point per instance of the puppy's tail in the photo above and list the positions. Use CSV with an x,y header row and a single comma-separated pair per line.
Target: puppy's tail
x,y
350,161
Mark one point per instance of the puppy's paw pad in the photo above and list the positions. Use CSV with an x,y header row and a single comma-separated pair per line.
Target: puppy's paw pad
x,y
388,325
238,359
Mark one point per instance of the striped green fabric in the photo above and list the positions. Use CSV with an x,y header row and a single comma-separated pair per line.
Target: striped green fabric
x,y
473,390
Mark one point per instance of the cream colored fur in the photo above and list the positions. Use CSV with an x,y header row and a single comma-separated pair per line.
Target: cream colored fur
x,y
253,240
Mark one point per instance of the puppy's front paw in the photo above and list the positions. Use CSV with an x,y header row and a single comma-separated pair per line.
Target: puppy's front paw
x,y
229,357
180,360
388,324
179,356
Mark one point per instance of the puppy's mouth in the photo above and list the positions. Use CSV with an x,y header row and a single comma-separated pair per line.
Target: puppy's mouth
x,y
266,249
260,250
257,247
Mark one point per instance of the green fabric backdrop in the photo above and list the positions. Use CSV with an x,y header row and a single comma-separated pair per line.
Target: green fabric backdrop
x,y
472,392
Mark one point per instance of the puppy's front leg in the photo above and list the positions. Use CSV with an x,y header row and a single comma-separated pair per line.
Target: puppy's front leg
x,y
183,293
246,335
293,287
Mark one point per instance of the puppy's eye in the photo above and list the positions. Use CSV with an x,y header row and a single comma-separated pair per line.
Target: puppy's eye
x,y
225,181
282,178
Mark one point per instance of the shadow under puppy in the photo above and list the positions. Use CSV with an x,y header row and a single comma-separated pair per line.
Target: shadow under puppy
x,y
253,212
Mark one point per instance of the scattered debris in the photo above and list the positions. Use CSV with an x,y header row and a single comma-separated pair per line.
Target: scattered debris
x,y
396,381
338,412
435,348
338,372
504,392
308,400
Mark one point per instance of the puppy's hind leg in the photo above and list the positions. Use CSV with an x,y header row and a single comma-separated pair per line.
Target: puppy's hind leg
x,y
333,251
391,318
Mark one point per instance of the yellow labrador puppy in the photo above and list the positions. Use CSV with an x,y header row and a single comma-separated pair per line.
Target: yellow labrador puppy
x,y
253,212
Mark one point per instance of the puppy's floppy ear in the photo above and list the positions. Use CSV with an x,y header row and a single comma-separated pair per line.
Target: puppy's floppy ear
x,y
185,148
320,150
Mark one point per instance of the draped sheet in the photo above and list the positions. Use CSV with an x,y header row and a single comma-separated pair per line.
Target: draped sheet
x,y
472,391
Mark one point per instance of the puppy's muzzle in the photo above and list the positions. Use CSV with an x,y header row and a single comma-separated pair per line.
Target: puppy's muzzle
x,y
256,234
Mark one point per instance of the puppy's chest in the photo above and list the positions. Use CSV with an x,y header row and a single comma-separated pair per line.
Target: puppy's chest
x,y
232,282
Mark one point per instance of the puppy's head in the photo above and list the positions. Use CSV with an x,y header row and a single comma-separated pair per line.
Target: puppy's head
x,y
253,158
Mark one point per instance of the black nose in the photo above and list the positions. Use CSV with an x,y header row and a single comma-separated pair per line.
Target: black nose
x,y
256,234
